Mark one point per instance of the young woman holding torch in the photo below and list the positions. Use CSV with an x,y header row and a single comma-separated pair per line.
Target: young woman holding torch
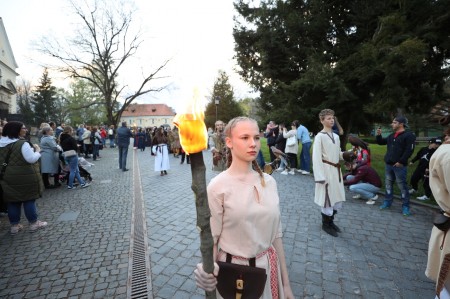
x,y
245,214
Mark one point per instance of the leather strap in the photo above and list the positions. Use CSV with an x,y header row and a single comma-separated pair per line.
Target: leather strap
x,y
251,261
337,165
5,163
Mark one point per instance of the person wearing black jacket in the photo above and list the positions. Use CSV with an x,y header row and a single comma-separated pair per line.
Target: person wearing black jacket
x,y
280,144
400,146
69,143
421,172
271,134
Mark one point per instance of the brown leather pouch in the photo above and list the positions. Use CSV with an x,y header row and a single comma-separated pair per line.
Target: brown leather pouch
x,y
246,281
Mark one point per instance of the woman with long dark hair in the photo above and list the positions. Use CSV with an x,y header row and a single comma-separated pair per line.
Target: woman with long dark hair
x,y
21,179
69,143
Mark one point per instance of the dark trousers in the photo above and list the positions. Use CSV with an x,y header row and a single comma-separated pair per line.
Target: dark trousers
x,y
123,153
80,147
183,155
45,180
292,160
417,175
87,150
272,155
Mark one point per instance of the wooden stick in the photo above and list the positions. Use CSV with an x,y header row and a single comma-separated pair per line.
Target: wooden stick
x,y
198,170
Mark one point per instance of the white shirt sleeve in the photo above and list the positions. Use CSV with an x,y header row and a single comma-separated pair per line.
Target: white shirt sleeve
x,y
29,154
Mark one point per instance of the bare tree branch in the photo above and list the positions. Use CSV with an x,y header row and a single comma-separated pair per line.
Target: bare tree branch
x,y
99,51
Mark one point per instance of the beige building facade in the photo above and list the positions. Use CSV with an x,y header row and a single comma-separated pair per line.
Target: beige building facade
x,y
8,74
148,115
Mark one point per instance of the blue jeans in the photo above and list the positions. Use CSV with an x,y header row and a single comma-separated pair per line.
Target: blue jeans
x,y
74,171
29,207
123,153
305,157
366,190
111,142
95,150
397,174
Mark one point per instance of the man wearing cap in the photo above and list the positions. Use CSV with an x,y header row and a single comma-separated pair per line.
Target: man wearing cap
x,y
123,142
421,172
400,146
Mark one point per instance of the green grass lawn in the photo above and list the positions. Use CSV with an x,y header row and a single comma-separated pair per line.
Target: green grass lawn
x,y
377,162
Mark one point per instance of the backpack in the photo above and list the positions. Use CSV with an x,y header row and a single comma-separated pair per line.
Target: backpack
x,y
92,137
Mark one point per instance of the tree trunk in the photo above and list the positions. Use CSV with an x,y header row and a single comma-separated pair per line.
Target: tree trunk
x,y
198,170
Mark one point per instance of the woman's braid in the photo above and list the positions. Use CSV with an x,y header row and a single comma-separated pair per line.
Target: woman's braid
x,y
258,169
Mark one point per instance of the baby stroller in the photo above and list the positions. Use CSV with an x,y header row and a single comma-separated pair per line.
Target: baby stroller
x,y
82,165
279,157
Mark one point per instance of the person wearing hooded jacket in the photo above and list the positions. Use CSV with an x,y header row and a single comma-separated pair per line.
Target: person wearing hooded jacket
x,y
21,181
362,180
400,146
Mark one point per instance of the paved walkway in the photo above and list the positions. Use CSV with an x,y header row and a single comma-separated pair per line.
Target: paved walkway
x,y
90,248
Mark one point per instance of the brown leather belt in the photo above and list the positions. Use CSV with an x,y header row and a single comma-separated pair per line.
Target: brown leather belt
x,y
337,165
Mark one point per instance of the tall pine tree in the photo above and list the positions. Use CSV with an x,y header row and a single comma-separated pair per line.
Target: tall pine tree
x,y
227,107
44,100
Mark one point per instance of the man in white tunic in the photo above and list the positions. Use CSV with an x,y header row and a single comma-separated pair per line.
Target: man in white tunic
x,y
329,191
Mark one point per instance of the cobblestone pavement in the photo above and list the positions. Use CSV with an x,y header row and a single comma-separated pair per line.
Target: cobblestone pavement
x,y
85,250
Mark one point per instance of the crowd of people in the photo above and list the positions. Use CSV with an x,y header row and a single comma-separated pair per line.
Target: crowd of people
x,y
60,153
242,186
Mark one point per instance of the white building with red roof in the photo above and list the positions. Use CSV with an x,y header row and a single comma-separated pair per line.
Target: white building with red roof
x,y
148,115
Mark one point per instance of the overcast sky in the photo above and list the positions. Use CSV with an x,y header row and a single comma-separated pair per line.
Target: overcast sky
x,y
195,35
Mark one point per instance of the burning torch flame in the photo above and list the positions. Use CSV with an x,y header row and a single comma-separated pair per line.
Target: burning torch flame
x,y
193,134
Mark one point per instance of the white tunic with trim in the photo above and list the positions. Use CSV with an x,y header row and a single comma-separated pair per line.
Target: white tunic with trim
x,y
162,158
328,149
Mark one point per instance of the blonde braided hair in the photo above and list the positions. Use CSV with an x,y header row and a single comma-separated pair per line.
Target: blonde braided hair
x,y
229,157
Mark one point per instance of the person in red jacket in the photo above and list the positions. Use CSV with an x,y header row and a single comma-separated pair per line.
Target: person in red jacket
x,y
362,180
103,135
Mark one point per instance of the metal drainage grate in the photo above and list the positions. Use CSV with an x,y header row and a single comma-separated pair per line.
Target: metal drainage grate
x,y
139,274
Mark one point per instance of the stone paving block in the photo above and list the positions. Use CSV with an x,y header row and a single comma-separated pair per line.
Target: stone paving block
x,y
332,287
159,281
166,292
315,290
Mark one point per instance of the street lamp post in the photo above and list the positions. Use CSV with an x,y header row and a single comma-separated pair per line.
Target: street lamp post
x,y
216,101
